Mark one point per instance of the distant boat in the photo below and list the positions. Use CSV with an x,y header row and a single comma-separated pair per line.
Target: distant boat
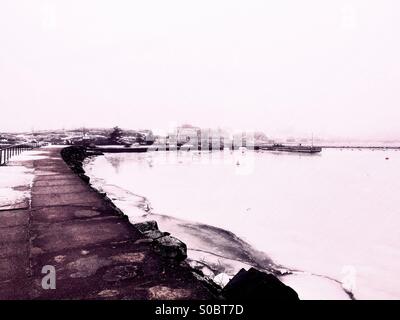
x,y
295,149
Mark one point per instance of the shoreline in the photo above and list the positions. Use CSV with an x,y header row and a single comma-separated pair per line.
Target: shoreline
x,y
185,230
76,162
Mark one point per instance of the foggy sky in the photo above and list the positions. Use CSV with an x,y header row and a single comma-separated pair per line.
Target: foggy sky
x,y
286,67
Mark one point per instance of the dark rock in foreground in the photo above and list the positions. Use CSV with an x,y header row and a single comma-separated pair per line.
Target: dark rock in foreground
x,y
171,248
164,244
146,226
257,285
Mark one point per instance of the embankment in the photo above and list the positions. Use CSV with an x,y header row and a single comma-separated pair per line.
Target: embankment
x,y
75,156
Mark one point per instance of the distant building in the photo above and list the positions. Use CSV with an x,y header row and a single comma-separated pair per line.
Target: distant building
x,y
185,134
145,137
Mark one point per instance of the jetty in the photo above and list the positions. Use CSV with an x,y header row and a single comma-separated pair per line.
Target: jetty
x,y
94,251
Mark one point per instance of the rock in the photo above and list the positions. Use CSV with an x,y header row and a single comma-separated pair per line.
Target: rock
x,y
257,285
150,229
165,245
170,247
77,168
146,226
74,157
155,234
84,177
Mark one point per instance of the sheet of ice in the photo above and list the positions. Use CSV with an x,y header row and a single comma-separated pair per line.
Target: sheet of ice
x,y
310,287
335,215
222,261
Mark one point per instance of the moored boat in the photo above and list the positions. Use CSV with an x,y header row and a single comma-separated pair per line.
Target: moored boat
x,y
296,149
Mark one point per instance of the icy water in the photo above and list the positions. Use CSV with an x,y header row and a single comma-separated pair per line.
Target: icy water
x,y
333,217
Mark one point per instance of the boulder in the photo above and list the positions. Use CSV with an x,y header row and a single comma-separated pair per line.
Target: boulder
x,y
146,226
84,177
257,285
171,248
155,234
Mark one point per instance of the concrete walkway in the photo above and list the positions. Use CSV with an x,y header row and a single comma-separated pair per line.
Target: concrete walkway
x,y
96,253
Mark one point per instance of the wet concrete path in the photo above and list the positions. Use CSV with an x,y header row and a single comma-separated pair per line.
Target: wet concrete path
x,y
96,253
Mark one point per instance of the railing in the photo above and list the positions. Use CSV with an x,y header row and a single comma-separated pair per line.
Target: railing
x,y
7,152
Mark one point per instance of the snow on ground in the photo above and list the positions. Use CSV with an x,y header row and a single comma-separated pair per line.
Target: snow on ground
x,y
16,179
28,156
15,184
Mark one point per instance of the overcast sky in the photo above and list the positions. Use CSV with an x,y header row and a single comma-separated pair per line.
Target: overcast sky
x,y
287,67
